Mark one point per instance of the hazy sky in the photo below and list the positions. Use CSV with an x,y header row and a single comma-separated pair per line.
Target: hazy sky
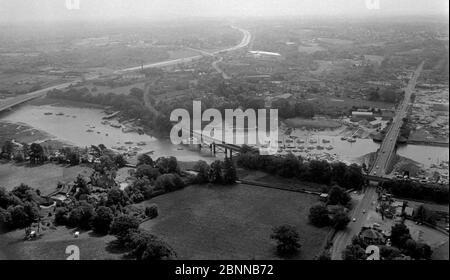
x,y
11,10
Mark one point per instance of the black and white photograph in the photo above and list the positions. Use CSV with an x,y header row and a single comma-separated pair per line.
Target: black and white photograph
x,y
262,131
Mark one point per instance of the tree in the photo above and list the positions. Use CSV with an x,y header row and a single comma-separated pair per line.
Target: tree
x,y
389,252
61,216
148,171
7,150
145,159
36,154
203,171
340,220
120,161
167,165
81,215
229,172
215,173
23,216
338,170
5,220
354,253
319,216
151,211
102,220
24,193
353,177
122,225
399,235
157,250
169,182
338,196
117,197
287,239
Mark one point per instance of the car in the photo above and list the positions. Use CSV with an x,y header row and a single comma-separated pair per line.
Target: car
x,y
378,166
354,220
364,211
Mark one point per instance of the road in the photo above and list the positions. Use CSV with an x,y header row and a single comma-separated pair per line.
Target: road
x,y
387,149
244,43
344,237
6,104
11,102
215,65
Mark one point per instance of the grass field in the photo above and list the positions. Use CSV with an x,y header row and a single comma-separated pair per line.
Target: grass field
x,y
53,243
232,222
45,177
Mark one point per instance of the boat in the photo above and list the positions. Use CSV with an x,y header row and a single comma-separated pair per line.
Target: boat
x,y
60,114
89,130
330,147
325,141
142,143
129,143
319,147
344,138
351,140
116,125
48,114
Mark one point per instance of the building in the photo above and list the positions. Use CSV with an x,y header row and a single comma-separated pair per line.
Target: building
x,y
372,236
362,115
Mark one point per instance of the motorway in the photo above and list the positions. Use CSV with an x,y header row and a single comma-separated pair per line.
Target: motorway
x,y
8,103
246,39
369,198
387,149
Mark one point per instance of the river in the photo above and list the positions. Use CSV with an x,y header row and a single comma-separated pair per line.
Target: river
x,y
83,127
73,128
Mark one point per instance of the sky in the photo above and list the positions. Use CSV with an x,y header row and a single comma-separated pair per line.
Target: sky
x,y
48,10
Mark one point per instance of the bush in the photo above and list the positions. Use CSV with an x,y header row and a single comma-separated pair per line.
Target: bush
x,y
61,216
102,220
151,211
318,216
122,225
287,240
81,216
169,182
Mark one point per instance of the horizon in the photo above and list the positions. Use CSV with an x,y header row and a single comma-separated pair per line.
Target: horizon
x,y
163,10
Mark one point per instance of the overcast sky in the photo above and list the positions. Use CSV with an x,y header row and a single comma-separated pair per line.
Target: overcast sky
x,y
11,10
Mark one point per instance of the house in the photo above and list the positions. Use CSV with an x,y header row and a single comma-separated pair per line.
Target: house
x,y
372,236
409,211
362,115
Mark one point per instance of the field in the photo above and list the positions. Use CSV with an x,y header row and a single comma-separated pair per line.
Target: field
x,y
232,222
53,243
45,177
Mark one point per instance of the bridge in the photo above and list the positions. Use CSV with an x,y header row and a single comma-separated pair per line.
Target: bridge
x,y
387,150
213,143
15,101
